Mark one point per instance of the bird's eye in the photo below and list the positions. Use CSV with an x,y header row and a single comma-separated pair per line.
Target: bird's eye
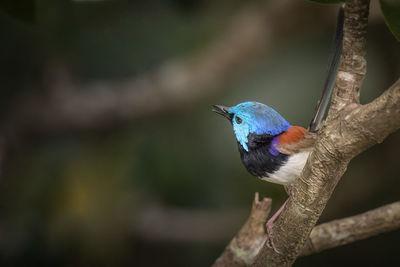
x,y
238,120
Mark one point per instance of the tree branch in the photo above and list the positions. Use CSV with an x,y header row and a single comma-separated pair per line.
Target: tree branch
x,y
353,65
379,118
243,248
351,229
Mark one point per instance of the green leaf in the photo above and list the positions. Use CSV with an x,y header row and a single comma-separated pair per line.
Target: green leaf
x,y
391,13
328,1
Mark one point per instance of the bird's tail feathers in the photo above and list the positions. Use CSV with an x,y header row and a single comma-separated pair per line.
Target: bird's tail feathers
x,y
323,103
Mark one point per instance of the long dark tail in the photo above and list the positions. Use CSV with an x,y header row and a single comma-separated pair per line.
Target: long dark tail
x,y
331,75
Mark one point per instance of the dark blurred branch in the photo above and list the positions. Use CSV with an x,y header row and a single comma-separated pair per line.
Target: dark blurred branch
x,y
73,105
167,224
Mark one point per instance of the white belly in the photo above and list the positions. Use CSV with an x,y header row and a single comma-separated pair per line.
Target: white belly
x,y
289,171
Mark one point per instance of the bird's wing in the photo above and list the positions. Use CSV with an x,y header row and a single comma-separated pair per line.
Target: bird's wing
x,y
295,140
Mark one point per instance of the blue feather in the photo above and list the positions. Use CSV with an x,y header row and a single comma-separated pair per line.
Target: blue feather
x,y
256,118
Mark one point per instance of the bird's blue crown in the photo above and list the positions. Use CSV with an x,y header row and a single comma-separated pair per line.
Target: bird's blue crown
x,y
253,117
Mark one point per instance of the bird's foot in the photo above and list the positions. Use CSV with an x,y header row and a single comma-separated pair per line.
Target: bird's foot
x,y
270,223
270,241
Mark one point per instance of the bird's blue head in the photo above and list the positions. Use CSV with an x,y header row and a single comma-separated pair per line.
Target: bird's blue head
x,y
253,117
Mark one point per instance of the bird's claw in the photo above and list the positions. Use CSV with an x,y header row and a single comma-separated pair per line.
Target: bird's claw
x,y
270,223
269,241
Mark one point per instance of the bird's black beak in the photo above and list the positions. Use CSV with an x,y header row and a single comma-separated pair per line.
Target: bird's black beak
x,y
222,110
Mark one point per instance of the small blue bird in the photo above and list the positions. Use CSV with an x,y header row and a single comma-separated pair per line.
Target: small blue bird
x,y
272,149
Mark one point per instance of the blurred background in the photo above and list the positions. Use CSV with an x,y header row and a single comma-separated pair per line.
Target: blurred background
x,y
110,154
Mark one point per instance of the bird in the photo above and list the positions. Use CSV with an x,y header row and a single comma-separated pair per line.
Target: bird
x,y
270,147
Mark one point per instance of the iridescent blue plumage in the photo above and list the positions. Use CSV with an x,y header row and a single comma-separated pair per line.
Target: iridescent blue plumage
x,y
256,118
270,148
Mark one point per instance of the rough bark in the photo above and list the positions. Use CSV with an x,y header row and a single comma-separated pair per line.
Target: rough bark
x,y
350,128
243,248
348,230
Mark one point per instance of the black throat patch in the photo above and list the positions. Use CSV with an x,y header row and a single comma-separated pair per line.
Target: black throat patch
x,y
259,161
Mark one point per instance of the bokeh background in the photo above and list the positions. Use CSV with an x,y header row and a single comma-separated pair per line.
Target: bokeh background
x,y
110,154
